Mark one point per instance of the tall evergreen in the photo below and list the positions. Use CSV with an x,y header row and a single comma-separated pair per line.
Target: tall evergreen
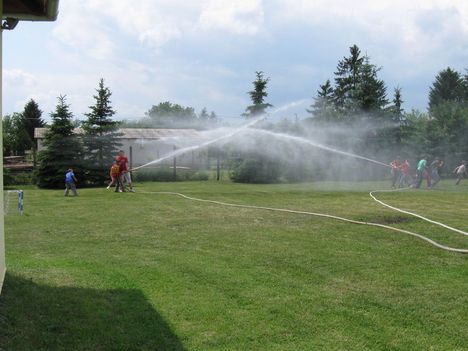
x,y
100,136
347,77
30,120
62,149
370,91
323,108
258,95
395,109
447,87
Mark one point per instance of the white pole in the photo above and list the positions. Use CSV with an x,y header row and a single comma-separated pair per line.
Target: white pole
x,y
2,234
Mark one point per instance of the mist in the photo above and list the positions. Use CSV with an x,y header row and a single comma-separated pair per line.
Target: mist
x,y
329,152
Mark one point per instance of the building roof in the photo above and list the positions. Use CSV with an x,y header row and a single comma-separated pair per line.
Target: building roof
x,y
135,133
31,10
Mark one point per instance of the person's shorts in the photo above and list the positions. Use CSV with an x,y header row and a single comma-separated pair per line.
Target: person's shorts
x,y
126,177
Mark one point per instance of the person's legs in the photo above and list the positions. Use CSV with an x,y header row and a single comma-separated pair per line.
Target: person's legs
x,y
435,179
394,177
419,178
427,175
112,182
122,182
460,176
67,188
73,189
128,179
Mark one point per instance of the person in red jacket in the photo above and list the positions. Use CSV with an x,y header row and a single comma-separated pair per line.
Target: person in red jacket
x,y
125,176
395,164
405,177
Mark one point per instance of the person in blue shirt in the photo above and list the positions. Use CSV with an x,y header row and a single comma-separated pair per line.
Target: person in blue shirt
x,y
70,181
420,169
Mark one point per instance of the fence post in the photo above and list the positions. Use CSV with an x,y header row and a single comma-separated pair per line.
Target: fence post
x,y
174,166
131,158
218,155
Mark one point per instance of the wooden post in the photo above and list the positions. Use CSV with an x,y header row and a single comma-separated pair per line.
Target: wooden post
x,y
218,156
174,166
130,155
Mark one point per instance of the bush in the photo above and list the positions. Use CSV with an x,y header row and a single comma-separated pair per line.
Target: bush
x,y
16,178
255,168
167,175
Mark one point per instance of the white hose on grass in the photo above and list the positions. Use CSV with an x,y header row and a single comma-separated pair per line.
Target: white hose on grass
x,y
411,213
422,237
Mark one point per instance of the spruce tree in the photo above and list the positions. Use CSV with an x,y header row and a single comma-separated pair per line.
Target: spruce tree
x,y
370,91
447,87
30,120
322,110
347,77
396,109
258,96
100,136
62,149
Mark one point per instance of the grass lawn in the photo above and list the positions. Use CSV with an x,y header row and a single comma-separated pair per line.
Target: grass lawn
x,y
142,271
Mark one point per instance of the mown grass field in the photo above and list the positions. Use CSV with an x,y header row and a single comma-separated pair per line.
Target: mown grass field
x,y
142,271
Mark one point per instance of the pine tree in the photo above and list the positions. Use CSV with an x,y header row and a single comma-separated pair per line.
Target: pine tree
x,y
448,86
101,136
203,115
370,91
62,149
323,107
258,96
396,109
30,120
347,77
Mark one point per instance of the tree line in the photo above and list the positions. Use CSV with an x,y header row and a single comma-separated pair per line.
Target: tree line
x,y
357,98
354,96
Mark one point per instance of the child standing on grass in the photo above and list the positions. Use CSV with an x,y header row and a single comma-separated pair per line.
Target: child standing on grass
x,y
70,181
115,177
125,176
460,171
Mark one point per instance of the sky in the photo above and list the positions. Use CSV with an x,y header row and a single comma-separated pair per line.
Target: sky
x,y
204,53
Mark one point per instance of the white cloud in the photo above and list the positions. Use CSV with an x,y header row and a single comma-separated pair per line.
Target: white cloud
x,y
80,29
17,78
239,17
398,20
153,22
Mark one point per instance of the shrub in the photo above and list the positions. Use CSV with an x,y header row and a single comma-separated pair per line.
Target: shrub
x,y
167,175
255,168
16,178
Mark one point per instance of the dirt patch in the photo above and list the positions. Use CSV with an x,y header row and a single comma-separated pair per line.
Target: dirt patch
x,y
388,219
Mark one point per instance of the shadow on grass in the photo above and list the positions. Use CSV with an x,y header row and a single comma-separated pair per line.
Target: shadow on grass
x,y
40,317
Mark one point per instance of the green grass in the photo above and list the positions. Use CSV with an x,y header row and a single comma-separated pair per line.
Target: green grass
x,y
108,271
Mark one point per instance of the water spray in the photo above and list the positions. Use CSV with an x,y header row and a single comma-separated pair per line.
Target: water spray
x,y
314,144
204,144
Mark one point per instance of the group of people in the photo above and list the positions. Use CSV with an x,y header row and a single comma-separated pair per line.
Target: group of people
x,y
431,172
119,173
